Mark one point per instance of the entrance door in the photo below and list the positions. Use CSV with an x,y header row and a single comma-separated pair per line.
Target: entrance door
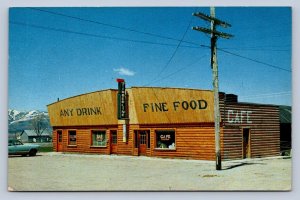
x,y
59,141
246,143
113,142
142,142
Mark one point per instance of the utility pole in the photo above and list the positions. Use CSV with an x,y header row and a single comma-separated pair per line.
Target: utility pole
x,y
214,65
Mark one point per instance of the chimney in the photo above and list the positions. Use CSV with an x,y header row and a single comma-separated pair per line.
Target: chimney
x,y
231,98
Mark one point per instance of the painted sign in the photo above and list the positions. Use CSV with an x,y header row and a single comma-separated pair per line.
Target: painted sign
x,y
69,112
170,105
165,137
239,116
175,106
121,99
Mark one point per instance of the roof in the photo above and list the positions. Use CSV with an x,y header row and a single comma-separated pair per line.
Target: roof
x,y
33,133
285,114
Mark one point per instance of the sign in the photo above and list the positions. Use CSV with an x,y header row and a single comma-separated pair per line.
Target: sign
x,y
175,106
239,117
165,137
69,112
121,99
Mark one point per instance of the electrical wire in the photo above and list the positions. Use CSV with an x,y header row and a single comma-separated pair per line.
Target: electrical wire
x,y
253,49
268,94
254,60
94,35
175,51
175,72
147,42
113,26
251,59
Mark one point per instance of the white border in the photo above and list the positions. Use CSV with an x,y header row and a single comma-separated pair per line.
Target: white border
x,y
5,4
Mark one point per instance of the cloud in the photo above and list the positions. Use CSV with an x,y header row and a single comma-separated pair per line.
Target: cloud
x,y
124,71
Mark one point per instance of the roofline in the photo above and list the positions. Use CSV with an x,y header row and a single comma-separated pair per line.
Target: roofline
x,y
249,103
133,87
82,95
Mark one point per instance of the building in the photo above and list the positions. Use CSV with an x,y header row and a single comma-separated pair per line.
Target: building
x,y
163,122
285,113
31,136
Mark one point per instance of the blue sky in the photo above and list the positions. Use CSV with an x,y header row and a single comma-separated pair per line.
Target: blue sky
x,y
63,52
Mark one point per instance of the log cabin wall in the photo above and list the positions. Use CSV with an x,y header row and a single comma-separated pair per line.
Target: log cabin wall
x,y
192,141
84,141
262,123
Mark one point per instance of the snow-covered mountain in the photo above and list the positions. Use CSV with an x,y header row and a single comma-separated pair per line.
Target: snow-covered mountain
x,y
22,120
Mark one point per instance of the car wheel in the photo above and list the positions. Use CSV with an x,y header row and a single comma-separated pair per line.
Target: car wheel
x,y
32,152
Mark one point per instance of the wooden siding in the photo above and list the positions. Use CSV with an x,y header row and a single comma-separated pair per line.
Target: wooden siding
x,y
192,142
263,123
97,108
125,148
83,140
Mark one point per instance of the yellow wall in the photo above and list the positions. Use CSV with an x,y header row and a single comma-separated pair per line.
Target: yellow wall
x,y
146,106
97,108
170,105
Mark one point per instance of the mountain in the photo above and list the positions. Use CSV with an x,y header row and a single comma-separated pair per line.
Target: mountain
x,y
22,120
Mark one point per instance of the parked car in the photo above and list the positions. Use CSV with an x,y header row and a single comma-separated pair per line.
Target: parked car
x,y
16,147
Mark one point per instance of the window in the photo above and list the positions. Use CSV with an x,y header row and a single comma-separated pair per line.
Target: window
x,y
148,139
59,133
72,137
142,138
165,139
135,139
98,138
114,139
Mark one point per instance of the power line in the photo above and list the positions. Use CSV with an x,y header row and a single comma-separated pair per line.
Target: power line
x,y
175,51
173,73
94,35
256,49
146,42
247,58
268,94
257,61
113,26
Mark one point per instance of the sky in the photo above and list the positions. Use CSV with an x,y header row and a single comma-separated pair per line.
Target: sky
x,y
64,52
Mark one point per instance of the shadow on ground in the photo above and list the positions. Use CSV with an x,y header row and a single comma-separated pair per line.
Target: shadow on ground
x,y
240,165
20,156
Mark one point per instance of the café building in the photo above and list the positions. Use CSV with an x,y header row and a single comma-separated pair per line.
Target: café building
x,y
163,122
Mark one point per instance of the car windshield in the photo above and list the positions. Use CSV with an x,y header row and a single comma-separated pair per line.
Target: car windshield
x,y
14,142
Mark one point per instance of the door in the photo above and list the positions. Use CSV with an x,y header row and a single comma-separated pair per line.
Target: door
x,y
246,143
113,142
142,139
59,141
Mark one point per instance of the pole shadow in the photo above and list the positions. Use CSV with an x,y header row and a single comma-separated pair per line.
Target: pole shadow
x,y
240,165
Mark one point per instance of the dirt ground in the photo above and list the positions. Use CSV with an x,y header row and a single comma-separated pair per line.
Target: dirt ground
x,y
76,172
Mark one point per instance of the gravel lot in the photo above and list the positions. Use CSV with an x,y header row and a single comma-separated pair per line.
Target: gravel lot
x,y
76,172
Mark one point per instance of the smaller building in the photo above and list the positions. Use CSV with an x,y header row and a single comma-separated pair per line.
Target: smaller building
x,y
285,113
31,136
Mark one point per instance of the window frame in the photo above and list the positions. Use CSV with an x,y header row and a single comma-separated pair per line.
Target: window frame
x,y
105,138
72,145
147,138
156,141
111,133
58,139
